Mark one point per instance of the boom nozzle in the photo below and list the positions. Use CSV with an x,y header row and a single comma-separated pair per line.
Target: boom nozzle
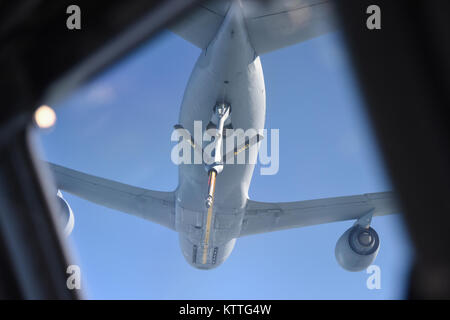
x,y
212,174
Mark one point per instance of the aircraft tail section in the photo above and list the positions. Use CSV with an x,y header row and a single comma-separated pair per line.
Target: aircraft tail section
x,y
271,25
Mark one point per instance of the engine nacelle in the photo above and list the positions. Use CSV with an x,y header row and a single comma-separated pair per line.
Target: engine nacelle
x,y
65,213
357,248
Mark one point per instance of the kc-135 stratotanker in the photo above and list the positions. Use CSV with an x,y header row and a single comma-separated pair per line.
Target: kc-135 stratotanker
x,y
210,208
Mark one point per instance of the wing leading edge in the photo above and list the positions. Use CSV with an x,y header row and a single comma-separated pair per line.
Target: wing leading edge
x,y
264,217
155,206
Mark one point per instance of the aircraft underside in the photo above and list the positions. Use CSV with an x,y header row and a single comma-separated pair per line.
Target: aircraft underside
x,y
228,75
210,208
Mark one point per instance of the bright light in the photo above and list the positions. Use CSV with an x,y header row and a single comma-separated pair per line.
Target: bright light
x,y
45,117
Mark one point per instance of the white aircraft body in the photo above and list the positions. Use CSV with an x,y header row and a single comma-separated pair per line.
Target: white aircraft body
x,y
226,89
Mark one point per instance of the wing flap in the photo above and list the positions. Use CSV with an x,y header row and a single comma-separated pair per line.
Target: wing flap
x,y
155,206
271,25
264,217
201,25
277,24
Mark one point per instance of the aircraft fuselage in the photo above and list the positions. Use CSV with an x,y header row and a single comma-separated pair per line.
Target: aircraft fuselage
x,y
228,70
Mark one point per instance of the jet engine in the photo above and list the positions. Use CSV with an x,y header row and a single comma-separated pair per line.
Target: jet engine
x,y
65,213
357,248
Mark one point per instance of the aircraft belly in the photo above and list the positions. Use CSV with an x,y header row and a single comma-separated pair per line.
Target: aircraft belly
x,y
228,71
246,94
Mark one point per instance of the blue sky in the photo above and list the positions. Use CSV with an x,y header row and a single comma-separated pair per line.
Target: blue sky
x,y
119,126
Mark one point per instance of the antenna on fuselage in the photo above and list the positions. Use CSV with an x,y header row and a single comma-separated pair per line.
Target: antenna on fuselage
x,y
224,90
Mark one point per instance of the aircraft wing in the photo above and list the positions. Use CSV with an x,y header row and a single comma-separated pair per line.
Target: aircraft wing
x,y
155,206
263,217
271,25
